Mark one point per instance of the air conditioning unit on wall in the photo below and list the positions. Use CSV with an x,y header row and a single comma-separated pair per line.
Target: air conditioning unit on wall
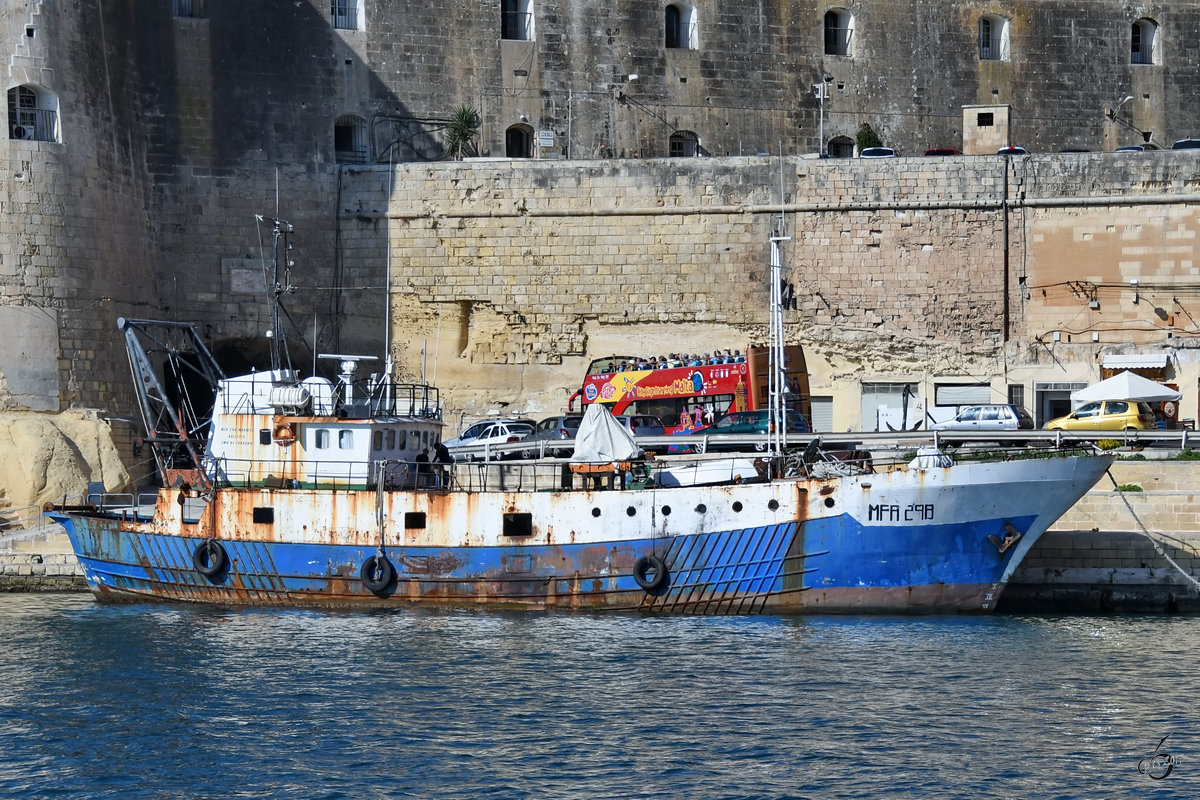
x,y
22,131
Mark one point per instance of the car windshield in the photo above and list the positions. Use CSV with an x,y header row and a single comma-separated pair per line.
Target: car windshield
x,y
475,430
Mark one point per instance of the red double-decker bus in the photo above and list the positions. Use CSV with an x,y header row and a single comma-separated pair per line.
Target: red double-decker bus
x,y
689,397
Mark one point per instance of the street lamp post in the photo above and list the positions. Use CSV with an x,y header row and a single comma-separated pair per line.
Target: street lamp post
x,y
821,90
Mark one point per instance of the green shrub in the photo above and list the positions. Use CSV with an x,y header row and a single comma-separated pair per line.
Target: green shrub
x,y
866,137
1189,455
1129,487
1108,444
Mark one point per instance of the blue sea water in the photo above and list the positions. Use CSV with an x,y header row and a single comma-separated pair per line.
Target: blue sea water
x,y
172,701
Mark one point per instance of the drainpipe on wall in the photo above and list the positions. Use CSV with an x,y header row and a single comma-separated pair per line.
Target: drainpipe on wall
x,y
1004,234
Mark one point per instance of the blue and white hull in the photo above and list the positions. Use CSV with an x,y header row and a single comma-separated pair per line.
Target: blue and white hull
x,y
907,540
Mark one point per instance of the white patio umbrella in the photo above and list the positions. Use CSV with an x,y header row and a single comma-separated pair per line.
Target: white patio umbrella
x,y
1125,386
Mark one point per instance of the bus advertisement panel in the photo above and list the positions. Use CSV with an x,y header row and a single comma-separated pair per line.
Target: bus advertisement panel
x,y
688,398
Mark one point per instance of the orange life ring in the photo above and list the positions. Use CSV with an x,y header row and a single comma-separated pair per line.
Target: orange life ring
x,y
284,434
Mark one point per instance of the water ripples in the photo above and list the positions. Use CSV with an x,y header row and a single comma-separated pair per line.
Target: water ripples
x,y
163,701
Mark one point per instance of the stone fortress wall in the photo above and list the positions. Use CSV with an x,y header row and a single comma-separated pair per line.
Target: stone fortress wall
x,y
508,275
514,275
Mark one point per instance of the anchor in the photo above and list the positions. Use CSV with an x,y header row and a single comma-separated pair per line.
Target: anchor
x,y
1011,535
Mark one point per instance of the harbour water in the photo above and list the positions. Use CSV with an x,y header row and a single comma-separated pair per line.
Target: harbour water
x,y
172,701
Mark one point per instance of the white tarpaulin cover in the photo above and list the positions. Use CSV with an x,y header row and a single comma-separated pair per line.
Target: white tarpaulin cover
x,y
601,439
1125,386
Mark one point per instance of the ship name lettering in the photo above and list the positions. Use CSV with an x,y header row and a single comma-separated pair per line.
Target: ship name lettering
x,y
914,512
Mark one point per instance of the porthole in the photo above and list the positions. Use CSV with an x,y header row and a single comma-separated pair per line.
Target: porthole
x,y
666,511
737,507
700,509
631,511
773,505
829,502
595,512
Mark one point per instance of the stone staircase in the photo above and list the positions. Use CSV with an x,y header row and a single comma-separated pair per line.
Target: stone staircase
x,y
35,553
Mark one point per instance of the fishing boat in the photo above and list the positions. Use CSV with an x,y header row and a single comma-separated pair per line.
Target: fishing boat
x,y
277,490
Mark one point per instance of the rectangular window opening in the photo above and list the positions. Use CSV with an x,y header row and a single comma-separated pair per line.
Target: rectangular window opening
x,y
414,520
263,515
264,436
985,120
518,524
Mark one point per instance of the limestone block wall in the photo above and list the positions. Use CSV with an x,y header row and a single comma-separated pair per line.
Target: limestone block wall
x,y
512,275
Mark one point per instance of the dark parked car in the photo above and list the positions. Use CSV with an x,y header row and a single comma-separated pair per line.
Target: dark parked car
x,y
1012,151
878,152
553,430
942,151
642,425
745,423
1186,144
987,417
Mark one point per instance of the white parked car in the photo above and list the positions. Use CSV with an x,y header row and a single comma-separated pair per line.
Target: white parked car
x,y
497,431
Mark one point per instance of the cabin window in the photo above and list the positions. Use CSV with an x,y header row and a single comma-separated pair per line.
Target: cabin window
x,y
391,439
377,441
414,519
345,440
322,442
263,515
264,436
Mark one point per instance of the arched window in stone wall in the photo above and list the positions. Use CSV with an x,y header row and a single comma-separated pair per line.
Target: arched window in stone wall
x,y
32,114
682,27
993,38
350,139
518,142
347,15
1142,42
840,147
839,31
683,144
516,19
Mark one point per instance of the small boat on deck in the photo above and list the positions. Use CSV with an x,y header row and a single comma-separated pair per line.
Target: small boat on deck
x,y
315,493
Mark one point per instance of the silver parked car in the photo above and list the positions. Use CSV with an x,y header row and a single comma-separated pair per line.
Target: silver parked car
x,y
553,430
987,417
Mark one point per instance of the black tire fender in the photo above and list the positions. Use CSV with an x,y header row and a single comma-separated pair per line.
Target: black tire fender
x,y
377,574
651,574
209,558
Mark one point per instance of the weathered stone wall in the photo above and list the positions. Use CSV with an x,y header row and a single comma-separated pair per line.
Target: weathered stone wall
x,y
176,132
511,276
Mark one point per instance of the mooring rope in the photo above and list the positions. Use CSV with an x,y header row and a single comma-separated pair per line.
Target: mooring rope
x,y
1158,548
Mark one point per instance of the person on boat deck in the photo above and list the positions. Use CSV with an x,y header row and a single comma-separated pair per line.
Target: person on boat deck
x,y
422,461
442,458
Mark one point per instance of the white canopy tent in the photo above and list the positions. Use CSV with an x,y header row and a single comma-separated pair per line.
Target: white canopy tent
x,y
1125,386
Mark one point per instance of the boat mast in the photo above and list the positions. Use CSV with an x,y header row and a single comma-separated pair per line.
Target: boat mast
x,y
775,384
280,237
